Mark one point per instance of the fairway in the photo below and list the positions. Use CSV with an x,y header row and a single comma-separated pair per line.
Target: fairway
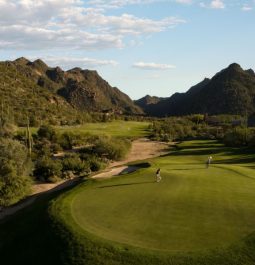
x,y
193,208
119,128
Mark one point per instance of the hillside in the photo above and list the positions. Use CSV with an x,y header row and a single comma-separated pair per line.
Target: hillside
x,y
231,91
22,98
146,102
44,93
85,90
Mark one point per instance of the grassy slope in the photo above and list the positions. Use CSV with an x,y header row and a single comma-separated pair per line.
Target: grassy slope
x,y
188,210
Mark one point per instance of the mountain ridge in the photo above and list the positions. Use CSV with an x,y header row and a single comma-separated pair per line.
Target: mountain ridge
x,y
230,91
79,91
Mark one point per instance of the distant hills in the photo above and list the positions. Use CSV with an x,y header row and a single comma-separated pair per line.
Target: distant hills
x,y
41,92
147,102
231,91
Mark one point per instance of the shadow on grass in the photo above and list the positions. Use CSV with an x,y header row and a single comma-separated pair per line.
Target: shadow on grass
x,y
28,234
126,184
191,168
241,160
246,154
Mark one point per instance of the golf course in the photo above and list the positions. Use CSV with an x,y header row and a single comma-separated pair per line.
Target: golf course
x,y
194,215
194,210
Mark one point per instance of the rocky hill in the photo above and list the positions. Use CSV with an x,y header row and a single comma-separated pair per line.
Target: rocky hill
x,y
231,91
44,93
146,102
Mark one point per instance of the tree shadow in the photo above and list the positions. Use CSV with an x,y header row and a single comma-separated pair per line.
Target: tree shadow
x,y
125,184
188,168
241,160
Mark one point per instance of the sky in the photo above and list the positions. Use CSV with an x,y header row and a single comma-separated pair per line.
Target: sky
x,y
155,47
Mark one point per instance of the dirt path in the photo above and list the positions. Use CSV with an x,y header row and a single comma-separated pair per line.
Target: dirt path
x,y
141,149
29,200
116,171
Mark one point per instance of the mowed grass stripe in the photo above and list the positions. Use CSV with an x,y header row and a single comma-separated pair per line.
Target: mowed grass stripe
x,y
192,209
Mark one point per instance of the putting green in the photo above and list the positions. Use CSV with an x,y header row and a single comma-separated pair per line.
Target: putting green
x,y
191,209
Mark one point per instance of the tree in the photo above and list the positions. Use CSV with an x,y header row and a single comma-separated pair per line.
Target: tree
x,y
48,169
48,132
15,167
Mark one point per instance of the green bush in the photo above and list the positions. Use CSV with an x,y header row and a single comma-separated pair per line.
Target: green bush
x,y
48,169
66,140
15,167
7,129
75,164
237,137
42,148
47,132
113,149
95,163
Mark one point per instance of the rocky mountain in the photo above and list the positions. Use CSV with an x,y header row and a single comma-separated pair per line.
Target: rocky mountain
x,y
231,91
146,102
37,90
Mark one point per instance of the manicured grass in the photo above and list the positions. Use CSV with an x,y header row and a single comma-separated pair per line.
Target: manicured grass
x,y
193,208
195,216
115,128
130,129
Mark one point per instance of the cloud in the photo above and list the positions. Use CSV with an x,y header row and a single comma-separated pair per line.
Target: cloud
x,y
107,4
246,8
29,37
47,24
217,4
68,62
184,1
152,66
114,4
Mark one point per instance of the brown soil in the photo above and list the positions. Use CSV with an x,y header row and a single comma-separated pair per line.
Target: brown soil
x,y
143,149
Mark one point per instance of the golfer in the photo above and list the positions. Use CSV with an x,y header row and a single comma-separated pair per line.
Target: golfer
x,y
158,177
208,162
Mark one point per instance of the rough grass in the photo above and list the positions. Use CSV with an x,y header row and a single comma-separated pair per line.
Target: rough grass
x,y
195,216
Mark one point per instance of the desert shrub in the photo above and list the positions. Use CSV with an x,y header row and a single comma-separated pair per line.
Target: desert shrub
x,y
7,129
15,167
48,169
75,164
237,137
42,148
55,148
173,129
47,132
114,149
66,140
96,164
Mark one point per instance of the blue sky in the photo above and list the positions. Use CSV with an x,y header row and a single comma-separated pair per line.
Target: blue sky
x,y
154,47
